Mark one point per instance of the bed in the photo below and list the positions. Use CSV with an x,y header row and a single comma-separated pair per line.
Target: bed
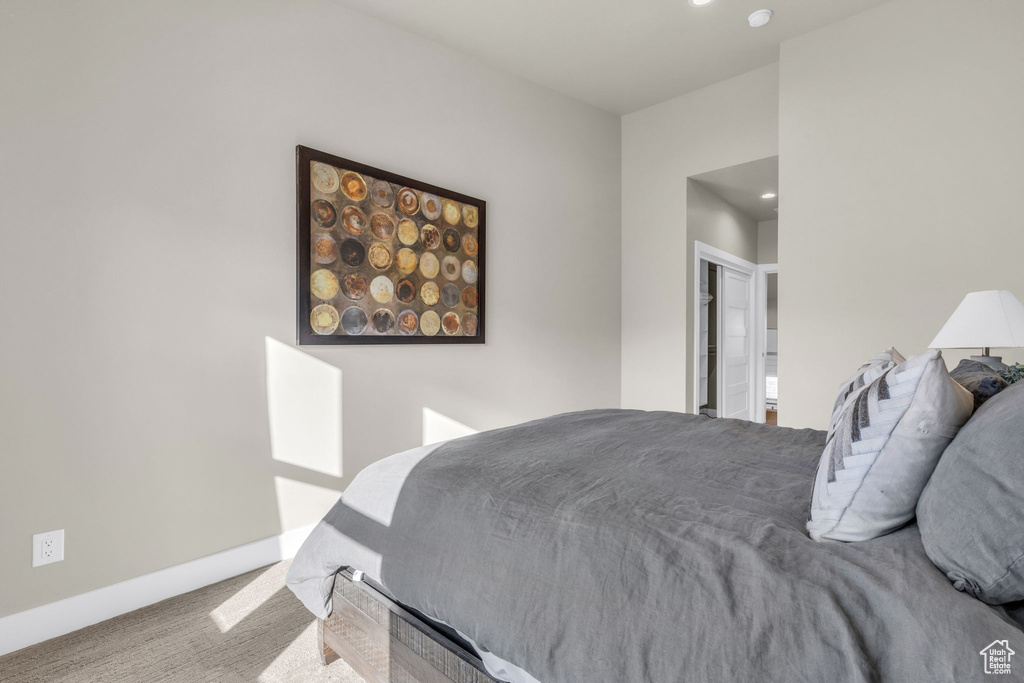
x,y
622,545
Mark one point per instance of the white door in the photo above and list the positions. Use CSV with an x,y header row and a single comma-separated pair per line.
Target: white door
x,y
735,372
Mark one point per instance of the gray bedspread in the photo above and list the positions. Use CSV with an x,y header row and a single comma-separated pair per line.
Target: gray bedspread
x,y
619,545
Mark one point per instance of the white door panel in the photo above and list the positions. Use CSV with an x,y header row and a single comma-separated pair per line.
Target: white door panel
x,y
737,332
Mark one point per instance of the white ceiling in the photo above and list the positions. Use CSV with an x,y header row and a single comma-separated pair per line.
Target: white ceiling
x,y
618,55
742,186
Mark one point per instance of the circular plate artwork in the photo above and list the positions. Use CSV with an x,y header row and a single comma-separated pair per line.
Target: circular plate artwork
x,y
383,321
353,320
430,238
430,323
382,226
353,286
408,323
469,271
353,186
382,193
407,232
353,220
430,293
380,256
388,260
353,253
431,206
325,249
382,289
450,295
429,265
451,240
408,202
405,291
451,212
450,268
323,284
406,260
450,323
470,323
324,214
325,178
324,319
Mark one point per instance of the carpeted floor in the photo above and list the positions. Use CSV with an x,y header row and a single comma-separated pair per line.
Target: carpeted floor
x,y
249,628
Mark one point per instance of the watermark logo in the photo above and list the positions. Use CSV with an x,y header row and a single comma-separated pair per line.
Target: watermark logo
x,y
997,657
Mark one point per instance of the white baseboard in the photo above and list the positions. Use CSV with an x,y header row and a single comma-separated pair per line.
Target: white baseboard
x,y
33,626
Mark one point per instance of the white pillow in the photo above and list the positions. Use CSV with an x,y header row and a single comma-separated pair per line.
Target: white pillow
x,y
866,374
882,449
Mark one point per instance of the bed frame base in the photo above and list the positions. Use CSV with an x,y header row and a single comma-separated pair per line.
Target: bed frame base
x,y
384,643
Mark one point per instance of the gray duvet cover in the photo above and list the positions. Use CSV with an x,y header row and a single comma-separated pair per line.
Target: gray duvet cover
x,y
619,545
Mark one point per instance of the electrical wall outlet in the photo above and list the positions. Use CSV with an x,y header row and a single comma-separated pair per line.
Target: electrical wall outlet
x,y
47,548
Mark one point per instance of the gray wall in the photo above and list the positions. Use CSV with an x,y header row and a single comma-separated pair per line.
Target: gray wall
x,y
900,178
725,124
768,242
768,252
712,220
148,211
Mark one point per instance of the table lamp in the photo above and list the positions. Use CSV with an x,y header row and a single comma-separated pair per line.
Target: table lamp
x,y
984,320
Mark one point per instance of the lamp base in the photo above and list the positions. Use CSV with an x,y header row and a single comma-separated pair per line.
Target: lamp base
x,y
994,362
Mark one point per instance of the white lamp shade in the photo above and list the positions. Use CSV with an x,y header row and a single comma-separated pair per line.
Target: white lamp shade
x,y
983,319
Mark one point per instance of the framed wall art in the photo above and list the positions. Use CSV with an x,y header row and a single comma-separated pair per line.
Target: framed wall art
x,y
384,259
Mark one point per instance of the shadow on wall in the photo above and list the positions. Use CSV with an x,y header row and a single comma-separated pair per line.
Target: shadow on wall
x,y
304,413
304,410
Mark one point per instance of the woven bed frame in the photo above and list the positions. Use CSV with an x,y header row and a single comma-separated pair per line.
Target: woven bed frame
x,y
385,643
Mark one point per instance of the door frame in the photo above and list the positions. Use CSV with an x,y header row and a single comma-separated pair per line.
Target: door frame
x,y
763,271
705,252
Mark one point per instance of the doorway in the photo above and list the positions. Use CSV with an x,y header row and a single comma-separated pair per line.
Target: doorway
x,y
768,312
726,335
732,231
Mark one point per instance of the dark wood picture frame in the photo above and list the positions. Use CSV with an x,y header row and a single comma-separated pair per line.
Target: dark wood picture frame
x,y
305,335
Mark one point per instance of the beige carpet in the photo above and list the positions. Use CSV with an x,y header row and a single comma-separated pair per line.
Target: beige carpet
x,y
249,628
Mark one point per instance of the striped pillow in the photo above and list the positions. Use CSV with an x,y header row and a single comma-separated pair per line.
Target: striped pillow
x,y
865,374
882,449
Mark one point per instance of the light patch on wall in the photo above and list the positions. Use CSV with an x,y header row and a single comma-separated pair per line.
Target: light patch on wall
x,y
438,427
304,407
298,502
246,601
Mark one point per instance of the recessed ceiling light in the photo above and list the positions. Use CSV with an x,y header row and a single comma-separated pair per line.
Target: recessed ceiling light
x,y
699,3
768,195
760,18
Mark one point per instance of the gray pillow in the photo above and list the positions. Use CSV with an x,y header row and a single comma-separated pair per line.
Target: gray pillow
x,y
979,379
971,513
